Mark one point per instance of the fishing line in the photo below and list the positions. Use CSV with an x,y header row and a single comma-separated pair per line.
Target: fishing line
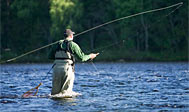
x,y
122,18
95,67
123,40
163,17
105,47
126,17
48,72
133,36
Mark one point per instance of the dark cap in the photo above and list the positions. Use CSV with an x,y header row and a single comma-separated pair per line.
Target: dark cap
x,y
68,32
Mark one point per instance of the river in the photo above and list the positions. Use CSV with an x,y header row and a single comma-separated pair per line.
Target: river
x,y
108,87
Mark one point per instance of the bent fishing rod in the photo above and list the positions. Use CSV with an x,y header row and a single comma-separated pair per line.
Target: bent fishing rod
x,y
178,5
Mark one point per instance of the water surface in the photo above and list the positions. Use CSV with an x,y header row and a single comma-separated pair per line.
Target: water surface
x,y
111,87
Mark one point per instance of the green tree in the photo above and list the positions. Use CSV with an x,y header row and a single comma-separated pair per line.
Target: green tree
x,y
64,14
29,24
25,26
94,14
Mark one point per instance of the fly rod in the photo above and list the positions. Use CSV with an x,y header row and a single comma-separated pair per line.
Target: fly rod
x,y
177,5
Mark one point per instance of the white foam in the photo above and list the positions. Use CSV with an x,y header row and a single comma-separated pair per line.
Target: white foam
x,y
67,94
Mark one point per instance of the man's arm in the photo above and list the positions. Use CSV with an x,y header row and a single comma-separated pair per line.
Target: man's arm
x,y
77,50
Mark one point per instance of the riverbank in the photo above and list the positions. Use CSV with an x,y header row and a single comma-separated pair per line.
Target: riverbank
x,y
108,56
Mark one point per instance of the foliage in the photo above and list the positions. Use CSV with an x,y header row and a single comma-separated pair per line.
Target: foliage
x,y
64,14
29,24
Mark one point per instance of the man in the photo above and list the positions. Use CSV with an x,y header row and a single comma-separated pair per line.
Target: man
x,y
63,71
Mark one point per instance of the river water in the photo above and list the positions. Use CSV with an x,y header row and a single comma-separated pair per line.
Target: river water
x,y
108,87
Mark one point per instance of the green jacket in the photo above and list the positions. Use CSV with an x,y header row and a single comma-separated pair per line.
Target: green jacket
x,y
76,50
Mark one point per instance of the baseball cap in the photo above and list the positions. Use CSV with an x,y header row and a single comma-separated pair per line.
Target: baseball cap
x,y
68,32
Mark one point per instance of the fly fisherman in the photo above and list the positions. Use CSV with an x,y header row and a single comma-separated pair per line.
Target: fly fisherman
x,y
63,71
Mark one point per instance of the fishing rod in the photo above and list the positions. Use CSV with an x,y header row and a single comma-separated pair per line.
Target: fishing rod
x,y
178,5
123,40
133,15
133,36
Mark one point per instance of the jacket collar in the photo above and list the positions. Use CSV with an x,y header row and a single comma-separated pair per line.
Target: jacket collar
x,y
68,39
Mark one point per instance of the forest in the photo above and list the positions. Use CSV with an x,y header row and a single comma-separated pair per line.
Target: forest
x,y
159,36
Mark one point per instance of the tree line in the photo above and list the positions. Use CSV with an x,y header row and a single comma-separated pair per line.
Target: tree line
x,y
159,36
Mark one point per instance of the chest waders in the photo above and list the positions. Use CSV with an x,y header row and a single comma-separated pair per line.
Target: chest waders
x,y
63,72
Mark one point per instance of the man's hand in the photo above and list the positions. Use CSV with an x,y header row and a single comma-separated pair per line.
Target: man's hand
x,y
92,55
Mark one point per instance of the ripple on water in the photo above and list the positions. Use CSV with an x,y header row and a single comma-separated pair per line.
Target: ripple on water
x,y
114,87
7,101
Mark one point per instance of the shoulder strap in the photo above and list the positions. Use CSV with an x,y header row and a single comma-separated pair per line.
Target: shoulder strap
x,y
70,51
59,46
68,47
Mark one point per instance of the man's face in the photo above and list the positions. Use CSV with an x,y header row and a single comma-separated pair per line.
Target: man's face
x,y
71,36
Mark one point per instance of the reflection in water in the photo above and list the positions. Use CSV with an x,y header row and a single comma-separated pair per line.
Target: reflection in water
x,y
7,101
65,101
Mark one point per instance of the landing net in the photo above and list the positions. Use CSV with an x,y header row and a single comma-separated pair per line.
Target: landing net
x,y
31,92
